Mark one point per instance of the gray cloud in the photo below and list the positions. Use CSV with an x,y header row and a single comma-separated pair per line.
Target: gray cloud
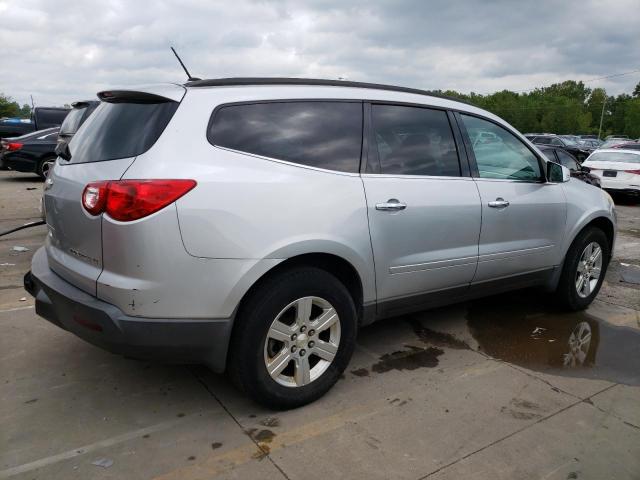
x,y
66,50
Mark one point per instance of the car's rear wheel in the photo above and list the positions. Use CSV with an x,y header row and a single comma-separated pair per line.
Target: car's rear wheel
x,y
584,268
293,338
44,166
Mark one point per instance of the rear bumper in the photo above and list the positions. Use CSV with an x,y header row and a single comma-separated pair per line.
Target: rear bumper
x,y
104,325
19,164
626,191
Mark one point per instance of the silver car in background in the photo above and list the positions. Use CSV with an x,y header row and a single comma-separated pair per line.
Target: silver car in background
x,y
254,225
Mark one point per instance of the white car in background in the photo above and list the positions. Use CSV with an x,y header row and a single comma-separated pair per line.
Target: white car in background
x,y
618,170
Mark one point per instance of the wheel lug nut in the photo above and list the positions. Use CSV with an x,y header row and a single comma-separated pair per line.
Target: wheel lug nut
x,y
311,344
303,352
303,328
294,336
293,349
311,332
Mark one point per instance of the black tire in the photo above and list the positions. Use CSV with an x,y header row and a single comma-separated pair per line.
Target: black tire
x,y
246,365
566,293
42,167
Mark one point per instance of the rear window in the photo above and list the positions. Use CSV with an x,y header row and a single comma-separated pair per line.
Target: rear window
x,y
318,134
72,121
120,130
615,157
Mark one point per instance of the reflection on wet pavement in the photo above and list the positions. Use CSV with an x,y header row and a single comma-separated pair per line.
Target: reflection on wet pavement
x,y
522,330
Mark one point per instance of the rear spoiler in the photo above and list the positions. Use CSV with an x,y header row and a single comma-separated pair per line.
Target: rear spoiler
x,y
144,94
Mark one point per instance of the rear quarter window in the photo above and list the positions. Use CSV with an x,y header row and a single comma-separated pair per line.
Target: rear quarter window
x,y
318,134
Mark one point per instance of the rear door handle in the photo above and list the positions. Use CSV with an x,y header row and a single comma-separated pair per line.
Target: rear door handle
x,y
391,205
499,203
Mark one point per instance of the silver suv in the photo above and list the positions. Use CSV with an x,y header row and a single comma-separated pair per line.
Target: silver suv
x,y
254,225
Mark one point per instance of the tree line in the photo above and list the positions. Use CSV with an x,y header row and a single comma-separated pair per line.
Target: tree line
x,y
11,108
562,108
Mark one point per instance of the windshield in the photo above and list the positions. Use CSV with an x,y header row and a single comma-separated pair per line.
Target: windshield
x,y
120,130
615,157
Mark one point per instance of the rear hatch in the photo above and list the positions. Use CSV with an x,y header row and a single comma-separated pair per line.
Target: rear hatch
x,y
126,124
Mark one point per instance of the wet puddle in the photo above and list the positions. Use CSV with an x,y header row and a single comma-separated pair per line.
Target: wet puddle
x,y
522,331
410,359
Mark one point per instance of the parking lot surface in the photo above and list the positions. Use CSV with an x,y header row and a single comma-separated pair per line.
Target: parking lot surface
x,y
475,390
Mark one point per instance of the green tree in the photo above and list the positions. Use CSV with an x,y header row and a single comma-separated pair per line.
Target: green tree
x,y
8,107
636,91
632,118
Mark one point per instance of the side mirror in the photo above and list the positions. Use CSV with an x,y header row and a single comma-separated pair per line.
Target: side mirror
x,y
556,173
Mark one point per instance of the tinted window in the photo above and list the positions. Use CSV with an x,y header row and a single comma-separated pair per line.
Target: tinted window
x,y
567,160
414,141
318,134
504,156
72,121
120,130
542,140
48,117
556,142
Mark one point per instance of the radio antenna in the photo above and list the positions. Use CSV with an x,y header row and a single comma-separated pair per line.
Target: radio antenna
x,y
189,77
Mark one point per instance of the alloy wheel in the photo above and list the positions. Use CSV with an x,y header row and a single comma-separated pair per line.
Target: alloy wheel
x,y
302,342
46,167
589,269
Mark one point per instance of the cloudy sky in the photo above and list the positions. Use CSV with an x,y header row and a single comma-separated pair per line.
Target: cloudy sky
x,y
62,50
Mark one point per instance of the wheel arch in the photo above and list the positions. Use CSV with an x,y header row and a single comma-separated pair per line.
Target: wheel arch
x,y
597,220
336,265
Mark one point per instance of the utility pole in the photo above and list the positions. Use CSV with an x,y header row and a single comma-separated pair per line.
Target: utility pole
x,y
604,102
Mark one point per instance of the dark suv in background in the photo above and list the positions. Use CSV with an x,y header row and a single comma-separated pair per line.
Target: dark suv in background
x,y
579,151
564,158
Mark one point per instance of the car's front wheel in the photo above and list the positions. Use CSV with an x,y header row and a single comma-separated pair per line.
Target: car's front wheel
x,y
584,268
293,338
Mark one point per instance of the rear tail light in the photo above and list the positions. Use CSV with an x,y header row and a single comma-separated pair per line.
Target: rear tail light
x,y
13,146
635,172
127,200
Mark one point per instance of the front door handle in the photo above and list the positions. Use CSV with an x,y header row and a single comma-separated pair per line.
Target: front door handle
x,y
499,203
391,205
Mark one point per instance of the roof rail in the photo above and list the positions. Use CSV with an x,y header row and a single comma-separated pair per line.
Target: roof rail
x,y
239,81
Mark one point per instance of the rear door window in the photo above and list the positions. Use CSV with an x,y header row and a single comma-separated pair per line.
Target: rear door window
x,y
120,130
413,141
313,133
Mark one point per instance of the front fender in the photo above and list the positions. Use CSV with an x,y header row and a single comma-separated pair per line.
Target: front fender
x,y
585,204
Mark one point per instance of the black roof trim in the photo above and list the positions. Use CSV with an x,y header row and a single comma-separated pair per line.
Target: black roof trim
x,y
239,81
